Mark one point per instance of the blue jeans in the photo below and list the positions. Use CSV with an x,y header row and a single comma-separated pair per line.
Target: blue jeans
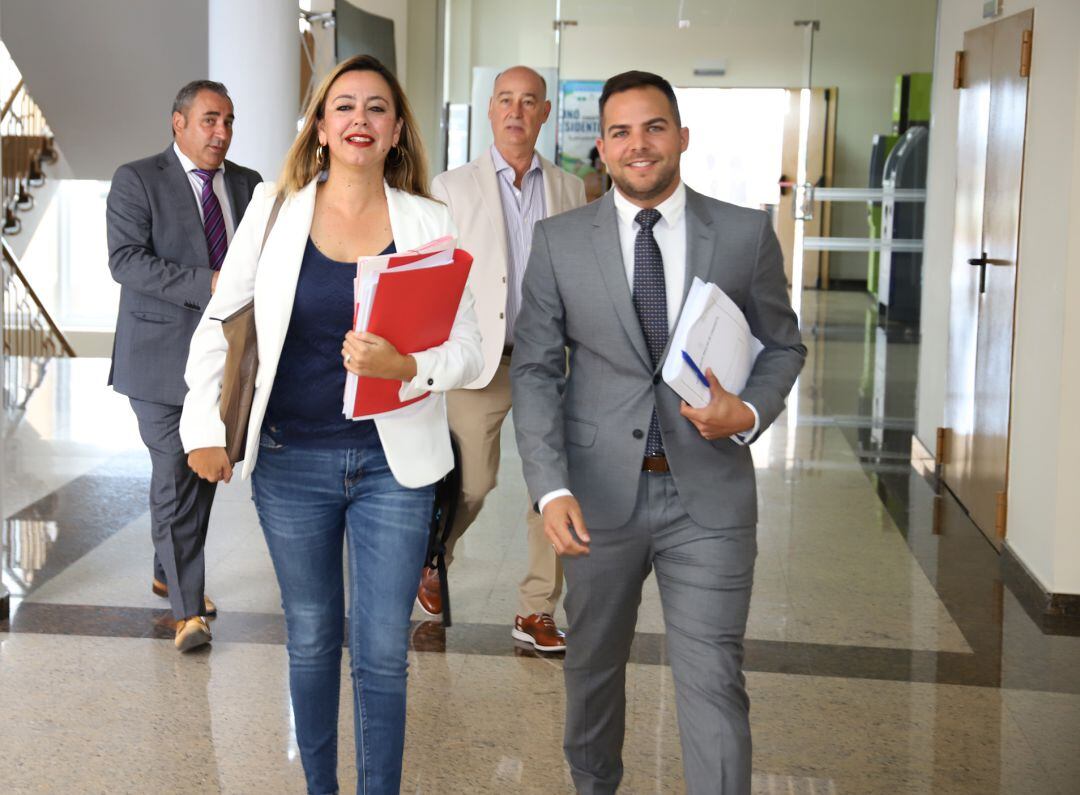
x,y
309,501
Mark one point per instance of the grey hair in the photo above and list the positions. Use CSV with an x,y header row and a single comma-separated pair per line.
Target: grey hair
x,y
186,95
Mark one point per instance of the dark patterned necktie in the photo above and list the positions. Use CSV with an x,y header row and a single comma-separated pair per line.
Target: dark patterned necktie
x,y
650,301
213,220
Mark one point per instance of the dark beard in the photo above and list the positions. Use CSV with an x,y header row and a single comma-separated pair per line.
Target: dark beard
x,y
664,181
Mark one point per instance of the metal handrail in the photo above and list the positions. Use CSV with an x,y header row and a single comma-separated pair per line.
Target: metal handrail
x,y
16,272
896,245
867,194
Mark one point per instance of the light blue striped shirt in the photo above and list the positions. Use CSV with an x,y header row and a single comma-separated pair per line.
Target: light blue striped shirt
x,y
521,210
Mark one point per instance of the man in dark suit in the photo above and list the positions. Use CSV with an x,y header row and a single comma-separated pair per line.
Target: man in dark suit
x,y
170,219
628,478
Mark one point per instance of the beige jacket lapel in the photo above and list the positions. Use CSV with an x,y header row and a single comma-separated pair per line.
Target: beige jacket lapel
x,y
554,195
487,187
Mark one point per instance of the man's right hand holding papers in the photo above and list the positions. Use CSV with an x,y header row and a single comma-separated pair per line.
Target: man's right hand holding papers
x,y
724,415
712,335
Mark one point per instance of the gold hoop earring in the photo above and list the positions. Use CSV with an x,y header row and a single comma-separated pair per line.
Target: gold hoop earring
x,y
320,155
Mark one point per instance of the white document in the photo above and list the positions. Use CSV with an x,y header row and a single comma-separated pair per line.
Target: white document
x,y
714,333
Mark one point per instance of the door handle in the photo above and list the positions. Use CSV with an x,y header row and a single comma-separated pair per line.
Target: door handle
x,y
980,263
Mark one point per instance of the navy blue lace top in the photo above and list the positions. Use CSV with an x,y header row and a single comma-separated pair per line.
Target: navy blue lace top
x,y
305,403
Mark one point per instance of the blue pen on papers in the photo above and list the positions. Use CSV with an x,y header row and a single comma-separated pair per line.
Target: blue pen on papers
x,y
697,371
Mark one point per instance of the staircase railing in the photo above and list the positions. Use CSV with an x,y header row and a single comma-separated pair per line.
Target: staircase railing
x,y
31,338
26,147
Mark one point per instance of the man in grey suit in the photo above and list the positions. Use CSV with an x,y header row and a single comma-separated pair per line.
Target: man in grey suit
x,y
170,219
627,477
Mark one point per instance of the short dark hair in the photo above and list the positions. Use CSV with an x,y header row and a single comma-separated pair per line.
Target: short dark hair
x,y
186,95
635,79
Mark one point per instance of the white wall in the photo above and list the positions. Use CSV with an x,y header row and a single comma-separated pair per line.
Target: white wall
x,y
423,89
460,58
1043,467
255,52
105,72
860,49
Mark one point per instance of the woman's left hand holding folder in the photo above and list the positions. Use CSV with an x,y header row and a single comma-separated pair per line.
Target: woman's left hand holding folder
x,y
372,356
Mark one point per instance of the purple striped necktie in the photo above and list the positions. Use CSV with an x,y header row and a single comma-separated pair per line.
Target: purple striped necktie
x,y
213,220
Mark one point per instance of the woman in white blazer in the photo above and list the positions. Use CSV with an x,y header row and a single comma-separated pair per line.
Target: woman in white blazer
x,y
354,184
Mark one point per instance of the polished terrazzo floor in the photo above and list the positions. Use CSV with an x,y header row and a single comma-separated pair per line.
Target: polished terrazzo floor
x,y
884,654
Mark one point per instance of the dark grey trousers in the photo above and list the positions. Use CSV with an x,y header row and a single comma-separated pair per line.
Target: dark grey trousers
x,y
705,578
179,508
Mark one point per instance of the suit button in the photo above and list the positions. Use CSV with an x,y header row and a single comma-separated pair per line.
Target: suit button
x,y
431,382
638,434
656,379
501,316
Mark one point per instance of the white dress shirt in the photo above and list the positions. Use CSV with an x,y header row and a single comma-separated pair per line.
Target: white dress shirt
x,y
219,191
670,235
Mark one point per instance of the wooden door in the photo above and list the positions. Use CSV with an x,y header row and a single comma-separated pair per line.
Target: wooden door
x,y
972,131
993,113
821,134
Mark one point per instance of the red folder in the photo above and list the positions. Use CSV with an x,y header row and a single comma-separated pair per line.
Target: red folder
x,y
413,310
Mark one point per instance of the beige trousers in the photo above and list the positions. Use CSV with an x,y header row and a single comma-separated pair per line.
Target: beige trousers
x,y
476,417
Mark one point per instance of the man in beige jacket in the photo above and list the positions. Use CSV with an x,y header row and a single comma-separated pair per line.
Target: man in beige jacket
x,y
495,201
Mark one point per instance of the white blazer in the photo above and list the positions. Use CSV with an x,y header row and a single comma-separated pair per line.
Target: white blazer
x,y
472,193
417,444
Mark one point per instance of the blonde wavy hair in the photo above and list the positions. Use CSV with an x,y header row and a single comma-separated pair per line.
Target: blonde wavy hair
x,y
405,168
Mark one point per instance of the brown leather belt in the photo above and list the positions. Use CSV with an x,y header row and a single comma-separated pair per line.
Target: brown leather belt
x,y
655,463
507,350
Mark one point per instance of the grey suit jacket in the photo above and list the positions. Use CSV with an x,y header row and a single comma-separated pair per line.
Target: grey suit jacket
x,y
585,430
158,254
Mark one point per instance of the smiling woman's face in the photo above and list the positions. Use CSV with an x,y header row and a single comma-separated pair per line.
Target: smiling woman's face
x,y
360,123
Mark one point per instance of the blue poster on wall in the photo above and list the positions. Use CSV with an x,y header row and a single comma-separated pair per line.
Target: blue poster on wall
x,y
579,123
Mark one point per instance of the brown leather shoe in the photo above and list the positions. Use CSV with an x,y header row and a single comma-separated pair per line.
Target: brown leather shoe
x,y
428,595
191,633
162,590
539,629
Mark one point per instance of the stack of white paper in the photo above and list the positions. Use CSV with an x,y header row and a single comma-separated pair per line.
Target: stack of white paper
x,y
714,334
